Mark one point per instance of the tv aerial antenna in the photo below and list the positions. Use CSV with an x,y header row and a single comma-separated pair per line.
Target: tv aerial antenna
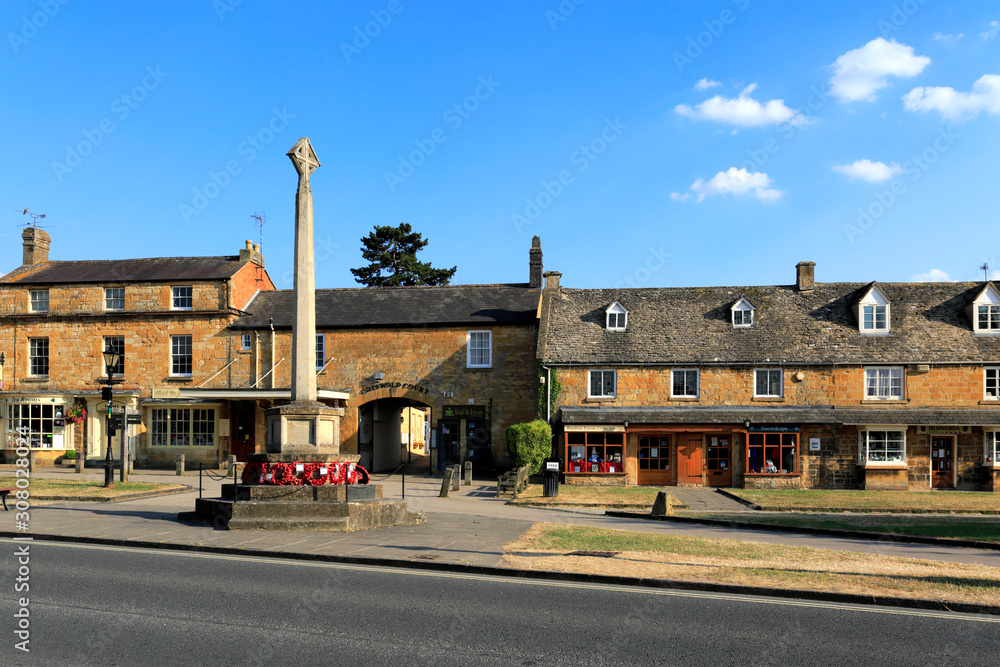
x,y
985,268
259,219
35,217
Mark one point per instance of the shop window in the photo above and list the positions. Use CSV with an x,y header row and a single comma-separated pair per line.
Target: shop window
x,y
114,298
115,344
768,383
588,452
654,452
616,317
182,427
991,454
684,382
39,301
180,355
320,350
772,453
882,446
34,422
181,298
993,383
884,383
38,357
479,346
603,384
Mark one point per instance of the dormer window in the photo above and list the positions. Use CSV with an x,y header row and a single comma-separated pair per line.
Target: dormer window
x,y
617,317
985,311
873,312
742,313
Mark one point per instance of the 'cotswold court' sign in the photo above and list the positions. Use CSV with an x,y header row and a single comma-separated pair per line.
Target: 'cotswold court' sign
x,y
394,385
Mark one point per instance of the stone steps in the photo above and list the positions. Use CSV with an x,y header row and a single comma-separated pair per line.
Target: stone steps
x,y
335,524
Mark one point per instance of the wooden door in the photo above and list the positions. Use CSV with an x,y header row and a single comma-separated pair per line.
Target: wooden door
x,y
719,460
242,440
654,460
942,473
689,459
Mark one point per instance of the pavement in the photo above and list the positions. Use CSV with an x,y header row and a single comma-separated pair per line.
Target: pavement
x,y
471,526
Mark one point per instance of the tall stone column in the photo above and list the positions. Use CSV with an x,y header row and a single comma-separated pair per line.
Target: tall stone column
x,y
304,430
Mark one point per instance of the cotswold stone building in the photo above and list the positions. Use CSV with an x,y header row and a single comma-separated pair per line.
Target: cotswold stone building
x,y
811,385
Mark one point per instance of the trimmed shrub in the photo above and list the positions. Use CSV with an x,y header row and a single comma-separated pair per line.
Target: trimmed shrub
x,y
530,444
70,455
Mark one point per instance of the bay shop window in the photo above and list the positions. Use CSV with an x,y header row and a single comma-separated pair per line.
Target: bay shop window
x,y
595,452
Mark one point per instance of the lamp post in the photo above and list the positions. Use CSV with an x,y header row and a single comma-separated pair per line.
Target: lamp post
x,y
111,359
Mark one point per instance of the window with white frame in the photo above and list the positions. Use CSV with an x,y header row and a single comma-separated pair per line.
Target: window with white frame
x,y
479,346
988,318
684,382
768,383
992,447
181,298
884,383
115,344
742,313
180,355
114,298
616,317
182,427
246,340
882,445
603,384
320,350
992,381
38,357
39,300
875,318
32,421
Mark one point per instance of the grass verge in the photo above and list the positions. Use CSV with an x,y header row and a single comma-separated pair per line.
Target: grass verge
x,y
956,527
545,547
617,497
42,488
819,500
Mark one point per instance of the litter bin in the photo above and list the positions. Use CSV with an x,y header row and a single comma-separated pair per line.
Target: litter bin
x,y
550,488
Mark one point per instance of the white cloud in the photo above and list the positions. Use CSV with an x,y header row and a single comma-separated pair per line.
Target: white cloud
x,y
743,111
932,276
948,39
859,73
866,170
705,84
736,182
954,105
991,33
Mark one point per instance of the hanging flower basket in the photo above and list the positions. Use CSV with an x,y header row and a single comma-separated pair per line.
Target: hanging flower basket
x,y
76,414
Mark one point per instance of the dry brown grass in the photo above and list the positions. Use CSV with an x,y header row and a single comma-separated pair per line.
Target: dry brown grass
x,y
756,564
619,497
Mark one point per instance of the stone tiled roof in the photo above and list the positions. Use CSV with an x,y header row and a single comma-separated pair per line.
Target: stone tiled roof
x,y
399,306
693,326
766,415
155,269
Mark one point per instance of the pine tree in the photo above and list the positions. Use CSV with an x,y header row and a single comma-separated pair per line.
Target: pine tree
x,y
392,256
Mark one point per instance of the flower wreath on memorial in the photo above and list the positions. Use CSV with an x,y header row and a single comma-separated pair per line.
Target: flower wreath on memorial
x,y
76,414
253,473
283,474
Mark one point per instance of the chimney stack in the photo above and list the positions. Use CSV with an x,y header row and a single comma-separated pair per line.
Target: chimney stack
x,y
535,262
552,280
36,246
805,276
252,253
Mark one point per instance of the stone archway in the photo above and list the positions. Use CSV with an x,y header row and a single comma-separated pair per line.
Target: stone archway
x,y
380,432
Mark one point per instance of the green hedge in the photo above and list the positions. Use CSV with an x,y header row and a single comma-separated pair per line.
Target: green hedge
x,y
530,444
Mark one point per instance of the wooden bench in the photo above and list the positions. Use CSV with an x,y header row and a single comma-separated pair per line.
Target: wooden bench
x,y
3,496
513,481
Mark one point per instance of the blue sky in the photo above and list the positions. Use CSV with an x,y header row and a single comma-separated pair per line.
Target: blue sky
x,y
648,144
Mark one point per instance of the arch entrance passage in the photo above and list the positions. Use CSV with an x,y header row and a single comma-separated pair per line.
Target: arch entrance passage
x,y
392,431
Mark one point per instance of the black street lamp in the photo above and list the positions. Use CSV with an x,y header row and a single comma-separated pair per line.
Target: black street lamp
x,y
111,359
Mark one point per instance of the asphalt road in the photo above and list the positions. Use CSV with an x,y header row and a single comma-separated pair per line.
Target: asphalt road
x,y
94,605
